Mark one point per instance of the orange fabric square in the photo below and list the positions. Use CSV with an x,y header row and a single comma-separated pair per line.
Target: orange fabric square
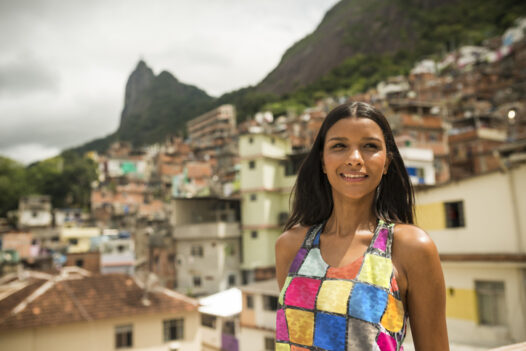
x,y
393,318
349,271
298,348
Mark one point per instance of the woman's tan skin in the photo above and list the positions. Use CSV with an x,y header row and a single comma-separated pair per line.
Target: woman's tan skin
x,y
357,146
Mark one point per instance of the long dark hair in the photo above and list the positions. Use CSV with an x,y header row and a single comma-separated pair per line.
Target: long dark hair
x,y
312,195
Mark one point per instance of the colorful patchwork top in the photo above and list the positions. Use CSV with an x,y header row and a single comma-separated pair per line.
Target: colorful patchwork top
x,y
354,307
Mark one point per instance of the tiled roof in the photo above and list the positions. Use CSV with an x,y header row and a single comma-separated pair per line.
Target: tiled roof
x,y
68,298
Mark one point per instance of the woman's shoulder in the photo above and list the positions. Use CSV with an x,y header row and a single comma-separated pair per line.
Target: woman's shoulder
x,y
413,244
291,240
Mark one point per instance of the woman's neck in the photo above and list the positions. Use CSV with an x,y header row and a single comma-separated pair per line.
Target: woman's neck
x,y
349,216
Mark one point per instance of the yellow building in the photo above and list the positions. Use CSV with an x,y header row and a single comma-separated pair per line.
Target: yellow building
x,y
78,239
479,227
77,310
267,177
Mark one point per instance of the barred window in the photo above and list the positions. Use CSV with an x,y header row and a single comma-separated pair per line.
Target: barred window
x,y
173,329
123,336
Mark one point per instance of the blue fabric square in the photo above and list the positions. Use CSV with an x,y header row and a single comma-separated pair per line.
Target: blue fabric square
x,y
367,303
316,241
329,332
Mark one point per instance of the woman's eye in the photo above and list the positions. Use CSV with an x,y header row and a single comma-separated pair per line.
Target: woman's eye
x,y
371,146
337,146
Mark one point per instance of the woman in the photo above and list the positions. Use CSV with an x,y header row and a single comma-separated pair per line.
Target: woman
x,y
351,266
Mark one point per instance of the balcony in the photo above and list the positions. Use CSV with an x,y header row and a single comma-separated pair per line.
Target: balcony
x,y
210,230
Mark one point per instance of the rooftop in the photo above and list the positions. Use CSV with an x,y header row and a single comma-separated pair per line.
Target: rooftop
x,y
34,299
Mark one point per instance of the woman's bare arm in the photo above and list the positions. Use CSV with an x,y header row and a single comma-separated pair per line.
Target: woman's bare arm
x,y
287,246
425,292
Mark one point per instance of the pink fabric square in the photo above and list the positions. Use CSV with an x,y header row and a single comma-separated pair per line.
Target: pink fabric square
x,y
282,332
381,240
386,342
302,292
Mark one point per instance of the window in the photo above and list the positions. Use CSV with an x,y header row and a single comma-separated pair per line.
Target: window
x,y
250,301
491,302
270,343
231,279
270,303
208,320
229,327
173,329
197,251
123,336
251,164
254,234
34,214
197,281
454,214
272,140
79,263
73,241
250,140
253,197
171,258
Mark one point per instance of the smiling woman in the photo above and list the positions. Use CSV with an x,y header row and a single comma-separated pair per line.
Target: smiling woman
x,y
352,268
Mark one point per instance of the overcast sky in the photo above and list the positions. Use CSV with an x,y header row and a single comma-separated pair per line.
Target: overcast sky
x,y
64,64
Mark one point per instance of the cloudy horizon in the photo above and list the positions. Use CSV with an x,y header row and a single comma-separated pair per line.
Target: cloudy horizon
x,y
64,65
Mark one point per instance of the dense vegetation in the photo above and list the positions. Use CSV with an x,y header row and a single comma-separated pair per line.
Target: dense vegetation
x,y
440,30
66,178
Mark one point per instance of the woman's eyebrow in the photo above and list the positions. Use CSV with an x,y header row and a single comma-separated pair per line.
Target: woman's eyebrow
x,y
337,138
372,138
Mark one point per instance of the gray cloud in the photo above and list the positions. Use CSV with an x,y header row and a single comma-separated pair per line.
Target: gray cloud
x,y
64,64
25,75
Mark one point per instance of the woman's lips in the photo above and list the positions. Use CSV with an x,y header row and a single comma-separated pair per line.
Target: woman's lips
x,y
353,177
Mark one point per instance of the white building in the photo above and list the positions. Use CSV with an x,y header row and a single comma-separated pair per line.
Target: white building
x,y
35,211
117,255
479,227
208,248
77,310
220,320
258,317
419,165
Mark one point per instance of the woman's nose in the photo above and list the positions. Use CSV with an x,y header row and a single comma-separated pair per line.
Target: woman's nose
x,y
355,157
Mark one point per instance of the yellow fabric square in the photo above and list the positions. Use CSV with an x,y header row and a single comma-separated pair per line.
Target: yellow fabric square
x,y
282,347
285,286
393,318
376,270
333,296
301,326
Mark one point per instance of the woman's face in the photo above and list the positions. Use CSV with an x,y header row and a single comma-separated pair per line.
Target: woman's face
x,y
354,157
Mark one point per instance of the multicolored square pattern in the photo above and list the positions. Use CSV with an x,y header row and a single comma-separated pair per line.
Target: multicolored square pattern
x,y
355,307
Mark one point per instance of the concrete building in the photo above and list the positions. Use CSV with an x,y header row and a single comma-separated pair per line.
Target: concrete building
x,y
472,141
479,227
419,165
220,320
212,129
77,310
267,177
35,211
79,239
117,255
207,241
258,316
